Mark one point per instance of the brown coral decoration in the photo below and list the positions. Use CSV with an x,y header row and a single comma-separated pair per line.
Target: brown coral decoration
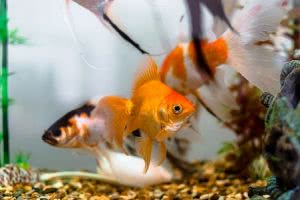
x,y
12,174
247,122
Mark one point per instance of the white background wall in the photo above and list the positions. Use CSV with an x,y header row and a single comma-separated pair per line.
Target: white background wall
x,y
51,77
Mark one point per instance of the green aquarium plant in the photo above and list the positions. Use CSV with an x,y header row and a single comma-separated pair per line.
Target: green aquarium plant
x,y
22,160
1,140
6,37
4,76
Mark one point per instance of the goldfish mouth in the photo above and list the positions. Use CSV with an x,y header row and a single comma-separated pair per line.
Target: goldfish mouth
x,y
49,139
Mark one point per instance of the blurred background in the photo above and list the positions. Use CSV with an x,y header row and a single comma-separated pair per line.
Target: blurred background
x,y
52,77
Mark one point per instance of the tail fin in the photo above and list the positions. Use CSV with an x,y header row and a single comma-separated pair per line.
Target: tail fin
x,y
119,172
132,174
115,111
259,65
217,95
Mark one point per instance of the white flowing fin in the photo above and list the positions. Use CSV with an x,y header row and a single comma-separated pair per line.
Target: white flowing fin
x,y
102,10
260,66
230,7
121,170
217,95
98,8
81,174
131,171
69,22
163,35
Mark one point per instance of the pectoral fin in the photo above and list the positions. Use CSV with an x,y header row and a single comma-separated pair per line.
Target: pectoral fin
x,y
162,153
144,149
115,111
163,135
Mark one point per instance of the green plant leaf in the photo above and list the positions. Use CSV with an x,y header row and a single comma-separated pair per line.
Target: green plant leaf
x,y
7,101
22,160
3,24
2,75
259,169
1,136
226,147
15,38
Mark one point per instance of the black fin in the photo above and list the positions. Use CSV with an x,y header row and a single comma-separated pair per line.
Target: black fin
x,y
217,9
124,35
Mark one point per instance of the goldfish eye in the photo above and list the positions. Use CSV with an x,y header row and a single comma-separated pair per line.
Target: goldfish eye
x,y
177,109
56,133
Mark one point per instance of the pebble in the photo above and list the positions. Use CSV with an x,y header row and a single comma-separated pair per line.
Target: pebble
x,y
266,196
206,196
238,196
49,190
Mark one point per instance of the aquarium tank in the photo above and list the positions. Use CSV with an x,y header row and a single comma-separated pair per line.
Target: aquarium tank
x,y
152,99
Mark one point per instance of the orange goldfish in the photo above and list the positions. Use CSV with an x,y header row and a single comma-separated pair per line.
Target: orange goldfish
x,y
158,111
259,65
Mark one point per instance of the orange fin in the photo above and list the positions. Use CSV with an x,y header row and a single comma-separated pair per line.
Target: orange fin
x,y
134,120
163,135
144,149
115,111
162,153
146,74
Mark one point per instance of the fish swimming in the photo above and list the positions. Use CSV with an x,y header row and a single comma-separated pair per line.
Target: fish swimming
x,y
157,111
259,65
85,128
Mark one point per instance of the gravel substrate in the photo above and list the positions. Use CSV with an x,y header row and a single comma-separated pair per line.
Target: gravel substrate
x,y
207,182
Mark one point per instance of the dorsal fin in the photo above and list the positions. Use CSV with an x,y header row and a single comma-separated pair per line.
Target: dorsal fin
x,y
148,72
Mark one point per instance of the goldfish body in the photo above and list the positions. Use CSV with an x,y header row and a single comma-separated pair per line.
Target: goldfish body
x,y
158,111
259,65
179,66
89,127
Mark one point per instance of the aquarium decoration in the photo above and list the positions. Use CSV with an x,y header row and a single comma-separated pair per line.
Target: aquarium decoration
x,y
281,147
13,174
247,122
